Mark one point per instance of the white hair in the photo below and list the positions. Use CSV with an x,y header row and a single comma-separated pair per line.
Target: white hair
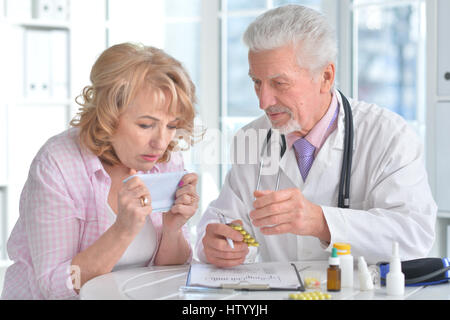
x,y
305,28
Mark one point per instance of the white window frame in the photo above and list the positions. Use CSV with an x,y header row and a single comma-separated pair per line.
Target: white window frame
x,y
329,7
420,124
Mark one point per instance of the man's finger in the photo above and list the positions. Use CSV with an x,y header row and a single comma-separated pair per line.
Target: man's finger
x,y
225,231
220,244
278,229
272,220
271,197
271,209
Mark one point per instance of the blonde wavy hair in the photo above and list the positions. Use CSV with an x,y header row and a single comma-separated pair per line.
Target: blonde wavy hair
x,y
117,76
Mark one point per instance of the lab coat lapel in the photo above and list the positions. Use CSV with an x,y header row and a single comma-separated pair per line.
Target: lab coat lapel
x,y
323,178
323,166
289,166
327,163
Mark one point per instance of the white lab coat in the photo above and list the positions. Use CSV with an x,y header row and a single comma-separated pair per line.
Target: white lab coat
x,y
390,198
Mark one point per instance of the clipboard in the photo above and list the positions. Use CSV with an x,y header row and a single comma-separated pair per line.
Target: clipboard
x,y
274,276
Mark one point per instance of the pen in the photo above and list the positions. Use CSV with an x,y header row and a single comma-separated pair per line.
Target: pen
x,y
222,220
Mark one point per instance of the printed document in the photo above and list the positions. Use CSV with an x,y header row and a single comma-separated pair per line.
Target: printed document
x,y
274,275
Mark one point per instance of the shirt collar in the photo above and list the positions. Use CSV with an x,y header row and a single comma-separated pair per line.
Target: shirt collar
x,y
317,133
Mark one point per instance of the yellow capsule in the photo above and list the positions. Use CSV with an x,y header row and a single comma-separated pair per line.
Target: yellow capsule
x,y
311,295
292,295
243,232
247,236
251,240
237,227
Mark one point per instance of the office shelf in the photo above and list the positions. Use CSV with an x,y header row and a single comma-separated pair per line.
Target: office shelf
x,y
40,84
44,24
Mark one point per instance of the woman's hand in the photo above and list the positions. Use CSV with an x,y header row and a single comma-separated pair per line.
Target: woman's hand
x,y
131,209
186,204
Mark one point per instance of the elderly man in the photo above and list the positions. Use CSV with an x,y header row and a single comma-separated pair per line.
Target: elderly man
x,y
292,58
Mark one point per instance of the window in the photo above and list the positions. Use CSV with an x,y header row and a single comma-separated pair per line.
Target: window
x,y
384,64
389,57
239,104
172,25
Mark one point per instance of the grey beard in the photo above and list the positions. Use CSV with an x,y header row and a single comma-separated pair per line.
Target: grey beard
x,y
289,127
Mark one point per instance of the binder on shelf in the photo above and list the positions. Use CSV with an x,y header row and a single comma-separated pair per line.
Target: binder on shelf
x,y
61,9
50,9
37,64
18,9
59,65
42,9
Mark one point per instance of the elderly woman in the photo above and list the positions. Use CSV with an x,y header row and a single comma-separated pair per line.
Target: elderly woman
x,y
78,219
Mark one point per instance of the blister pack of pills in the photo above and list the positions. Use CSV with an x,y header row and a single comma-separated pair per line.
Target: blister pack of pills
x,y
314,295
248,239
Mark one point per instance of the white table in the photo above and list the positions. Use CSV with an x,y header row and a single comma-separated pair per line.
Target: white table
x,y
163,283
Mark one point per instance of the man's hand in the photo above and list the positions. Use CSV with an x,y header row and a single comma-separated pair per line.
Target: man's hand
x,y
218,251
288,211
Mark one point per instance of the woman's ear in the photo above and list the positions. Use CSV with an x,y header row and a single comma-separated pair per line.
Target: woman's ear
x,y
327,78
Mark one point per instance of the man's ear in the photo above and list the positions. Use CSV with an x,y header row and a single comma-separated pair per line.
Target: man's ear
x,y
327,78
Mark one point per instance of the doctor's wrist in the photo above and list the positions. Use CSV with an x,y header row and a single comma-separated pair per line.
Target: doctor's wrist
x,y
321,230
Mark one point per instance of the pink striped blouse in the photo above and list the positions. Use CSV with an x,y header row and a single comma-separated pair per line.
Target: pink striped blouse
x,y
62,212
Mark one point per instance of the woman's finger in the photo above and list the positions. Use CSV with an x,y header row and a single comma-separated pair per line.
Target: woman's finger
x,y
189,178
185,199
186,189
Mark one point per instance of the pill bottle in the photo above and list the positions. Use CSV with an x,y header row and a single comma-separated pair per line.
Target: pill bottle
x,y
365,278
333,272
395,279
346,259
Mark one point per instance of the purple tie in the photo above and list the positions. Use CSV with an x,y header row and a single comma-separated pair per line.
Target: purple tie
x,y
305,156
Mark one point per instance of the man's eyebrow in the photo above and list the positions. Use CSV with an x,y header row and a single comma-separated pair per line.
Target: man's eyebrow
x,y
279,75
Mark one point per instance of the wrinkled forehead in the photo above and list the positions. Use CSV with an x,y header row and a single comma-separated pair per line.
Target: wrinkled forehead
x,y
272,63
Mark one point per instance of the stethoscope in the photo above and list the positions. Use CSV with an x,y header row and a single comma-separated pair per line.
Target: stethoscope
x,y
344,183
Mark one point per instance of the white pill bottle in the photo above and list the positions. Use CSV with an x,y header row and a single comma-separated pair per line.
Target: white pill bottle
x,y
346,258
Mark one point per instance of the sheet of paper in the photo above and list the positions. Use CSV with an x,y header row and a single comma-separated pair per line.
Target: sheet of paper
x,y
162,188
276,275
